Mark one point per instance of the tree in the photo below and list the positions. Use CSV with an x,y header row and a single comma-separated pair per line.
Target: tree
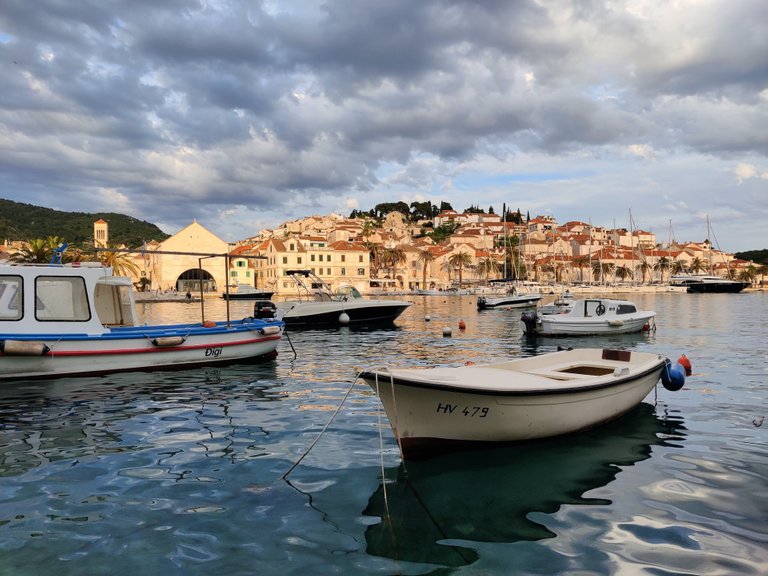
x,y
487,266
120,262
623,273
644,268
460,260
425,256
391,257
661,266
581,262
697,265
445,206
37,250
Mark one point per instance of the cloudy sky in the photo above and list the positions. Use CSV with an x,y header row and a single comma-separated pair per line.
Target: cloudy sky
x,y
243,113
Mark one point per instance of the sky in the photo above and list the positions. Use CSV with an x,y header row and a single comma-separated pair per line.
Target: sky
x,y
242,114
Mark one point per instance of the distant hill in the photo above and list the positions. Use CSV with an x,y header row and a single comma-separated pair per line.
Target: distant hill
x,y
758,256
20,221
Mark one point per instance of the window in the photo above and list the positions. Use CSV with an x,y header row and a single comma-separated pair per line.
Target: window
x,y
328,258
312,258
343,271
61,298
328,272
361,271
320,258
290,247
233,273
298,259
11,298
343,258
285,259
360,258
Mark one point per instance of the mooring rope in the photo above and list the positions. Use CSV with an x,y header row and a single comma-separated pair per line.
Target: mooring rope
x,y
285,476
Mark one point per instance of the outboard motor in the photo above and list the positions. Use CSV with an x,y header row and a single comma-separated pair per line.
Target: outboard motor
x,y
264,309
481,303
529,318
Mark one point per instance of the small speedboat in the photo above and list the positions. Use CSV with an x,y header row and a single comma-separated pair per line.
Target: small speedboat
x,y
318,307
74,319
704,284
590,317
432,410
512,299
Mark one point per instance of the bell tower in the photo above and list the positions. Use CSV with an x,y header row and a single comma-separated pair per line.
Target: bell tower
x,y
100,233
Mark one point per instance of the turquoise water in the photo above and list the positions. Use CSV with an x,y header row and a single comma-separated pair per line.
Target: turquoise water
x,y
180,473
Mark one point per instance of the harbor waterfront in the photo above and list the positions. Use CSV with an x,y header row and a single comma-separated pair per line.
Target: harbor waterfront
x,y
191,472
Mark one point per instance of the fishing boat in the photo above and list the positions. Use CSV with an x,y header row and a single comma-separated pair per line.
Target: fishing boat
x,y
75,319
432,410
318,307
511,299
590,317
247,292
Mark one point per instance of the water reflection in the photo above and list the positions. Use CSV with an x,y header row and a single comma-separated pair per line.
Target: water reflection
x,y
488,496
46,421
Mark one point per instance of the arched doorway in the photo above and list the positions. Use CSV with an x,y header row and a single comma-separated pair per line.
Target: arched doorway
x,y
190,281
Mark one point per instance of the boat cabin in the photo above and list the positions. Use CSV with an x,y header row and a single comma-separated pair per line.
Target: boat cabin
x,y
592,307
63,298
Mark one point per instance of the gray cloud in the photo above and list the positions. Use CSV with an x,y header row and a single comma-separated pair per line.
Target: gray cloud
x,y
248,113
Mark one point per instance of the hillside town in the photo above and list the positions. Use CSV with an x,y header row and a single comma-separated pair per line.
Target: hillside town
x,y
394,253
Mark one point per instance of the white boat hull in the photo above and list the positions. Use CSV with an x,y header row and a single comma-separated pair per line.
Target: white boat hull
x,y
560,326
434,409
136,349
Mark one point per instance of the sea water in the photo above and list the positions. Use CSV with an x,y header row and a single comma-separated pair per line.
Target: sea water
x,y
288,467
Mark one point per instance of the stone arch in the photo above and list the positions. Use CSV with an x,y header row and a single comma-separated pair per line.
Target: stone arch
x,y
190,280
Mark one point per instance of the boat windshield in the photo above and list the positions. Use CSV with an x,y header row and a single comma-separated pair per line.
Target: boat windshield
x,y
347,293
626,309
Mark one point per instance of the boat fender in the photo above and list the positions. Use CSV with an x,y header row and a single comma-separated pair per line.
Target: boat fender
x,y
209,324
23,348
685,363
616,323
166,341
673,376
462,325
427,318
269,330
446,331
343,318
561,348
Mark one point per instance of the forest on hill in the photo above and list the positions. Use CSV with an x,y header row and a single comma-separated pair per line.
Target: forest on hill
x,y
20,221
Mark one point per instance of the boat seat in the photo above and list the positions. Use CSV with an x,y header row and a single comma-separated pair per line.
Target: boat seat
x,y
558,375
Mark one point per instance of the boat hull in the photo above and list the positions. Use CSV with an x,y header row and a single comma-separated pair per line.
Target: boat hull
x,y
558,325
137,348
248,296
329,314
527,301
431,418
716,287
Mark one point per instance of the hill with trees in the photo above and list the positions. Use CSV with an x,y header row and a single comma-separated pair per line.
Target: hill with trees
x,y
20,221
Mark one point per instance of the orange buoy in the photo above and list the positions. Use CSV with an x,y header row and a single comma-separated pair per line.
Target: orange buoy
x,y
209,324
462,326
685,363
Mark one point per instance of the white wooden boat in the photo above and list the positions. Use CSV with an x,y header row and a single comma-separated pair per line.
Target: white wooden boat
x,y
318,307
434,409
589,317
73,319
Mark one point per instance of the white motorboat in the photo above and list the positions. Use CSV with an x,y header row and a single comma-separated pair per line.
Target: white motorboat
x,y
589,317
318,307
512,299
434,409
73,319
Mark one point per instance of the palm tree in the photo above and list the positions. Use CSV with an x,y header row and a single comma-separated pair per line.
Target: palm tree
x,y
460,260
762,270
623,273
375,251
661,266
426,257
748,275
38,250
391,257
677,267
697,265
644,268
581,262
120,262
487,266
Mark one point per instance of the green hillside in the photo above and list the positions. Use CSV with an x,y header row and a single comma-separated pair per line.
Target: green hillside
x,y
20,221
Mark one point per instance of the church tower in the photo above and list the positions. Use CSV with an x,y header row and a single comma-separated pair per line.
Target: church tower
x,y
100,233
